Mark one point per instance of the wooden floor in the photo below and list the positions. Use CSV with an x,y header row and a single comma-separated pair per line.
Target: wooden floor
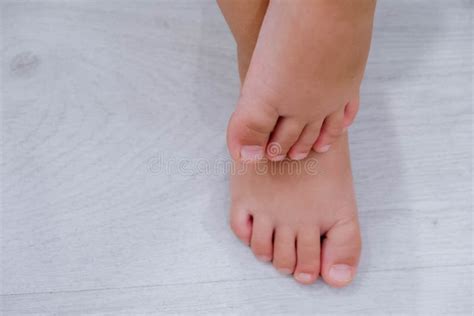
x,y
104,100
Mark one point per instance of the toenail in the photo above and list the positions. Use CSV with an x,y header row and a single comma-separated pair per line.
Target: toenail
x,y
278,158
264,258
299,156
341,273
251,153
304,277
285,271
324,148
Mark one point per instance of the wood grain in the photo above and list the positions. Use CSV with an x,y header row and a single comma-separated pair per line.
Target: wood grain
x,y
104,100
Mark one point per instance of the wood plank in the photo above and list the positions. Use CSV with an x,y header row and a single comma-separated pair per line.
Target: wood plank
x,y
103,100
434,291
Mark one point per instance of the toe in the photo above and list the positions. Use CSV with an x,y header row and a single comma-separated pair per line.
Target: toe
x,y
303,146
350,111
241,224
262,239
333,127
249,130
285,135
340,252
308,256
284,251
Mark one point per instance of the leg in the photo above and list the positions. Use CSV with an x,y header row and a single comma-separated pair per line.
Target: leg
x,y
245,19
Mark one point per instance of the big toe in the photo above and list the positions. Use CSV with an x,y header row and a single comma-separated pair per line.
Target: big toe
x,y
340,252
249,130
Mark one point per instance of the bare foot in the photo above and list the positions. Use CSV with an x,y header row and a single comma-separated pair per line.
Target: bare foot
x,y
281,214
302,87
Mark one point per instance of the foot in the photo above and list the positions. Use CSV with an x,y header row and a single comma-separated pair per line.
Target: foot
x,y
283,212
301,90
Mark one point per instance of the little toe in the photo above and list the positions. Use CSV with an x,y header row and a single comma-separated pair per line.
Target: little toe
x,y
241,224
308,137
350,111
285,135
249,129
308,256
340,252
262,239
333,127
284,251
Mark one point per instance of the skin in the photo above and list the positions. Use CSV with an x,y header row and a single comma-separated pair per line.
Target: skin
x,y
302,87
305,223
244,19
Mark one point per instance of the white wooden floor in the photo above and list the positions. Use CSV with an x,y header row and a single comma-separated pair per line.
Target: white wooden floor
x,y
98,94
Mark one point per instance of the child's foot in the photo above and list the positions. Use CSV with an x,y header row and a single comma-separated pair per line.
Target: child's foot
x,y
302,88
281,214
